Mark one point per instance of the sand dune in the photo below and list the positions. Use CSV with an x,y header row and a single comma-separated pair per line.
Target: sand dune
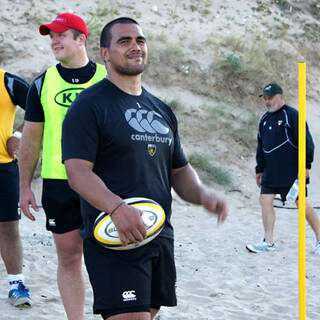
x,y
217,278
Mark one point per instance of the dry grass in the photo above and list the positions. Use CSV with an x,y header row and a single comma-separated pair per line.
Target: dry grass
x,y
248,61
209,171
246,132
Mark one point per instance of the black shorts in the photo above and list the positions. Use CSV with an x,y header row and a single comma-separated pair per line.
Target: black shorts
x,y
282,191
132,280
9,192
61,205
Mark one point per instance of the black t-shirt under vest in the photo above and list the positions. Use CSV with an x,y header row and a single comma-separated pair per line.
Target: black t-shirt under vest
x,y
133,142
34,110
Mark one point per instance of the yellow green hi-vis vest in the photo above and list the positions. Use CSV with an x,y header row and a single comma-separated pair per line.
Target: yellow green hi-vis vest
x,y
7,113
57,96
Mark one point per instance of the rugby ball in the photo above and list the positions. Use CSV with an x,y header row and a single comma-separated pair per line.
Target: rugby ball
x,y
153,217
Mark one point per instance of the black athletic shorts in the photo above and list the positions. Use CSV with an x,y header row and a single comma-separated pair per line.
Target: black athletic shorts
x,y
132,280
282,191
9,192
61,205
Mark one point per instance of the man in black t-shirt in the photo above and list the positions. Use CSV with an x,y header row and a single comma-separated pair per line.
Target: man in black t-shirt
x,y
49,98
277,163
13,92
120,141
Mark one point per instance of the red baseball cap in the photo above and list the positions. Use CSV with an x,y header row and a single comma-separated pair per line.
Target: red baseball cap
x,y
64,22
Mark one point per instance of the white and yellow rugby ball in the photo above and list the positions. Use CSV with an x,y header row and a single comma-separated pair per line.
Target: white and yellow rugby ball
x,y
153,217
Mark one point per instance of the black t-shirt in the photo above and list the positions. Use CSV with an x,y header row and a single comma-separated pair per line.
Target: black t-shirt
x,y
277,150
133,142
34,110
17,89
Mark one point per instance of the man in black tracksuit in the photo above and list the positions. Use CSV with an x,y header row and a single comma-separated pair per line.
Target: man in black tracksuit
x,y
277,162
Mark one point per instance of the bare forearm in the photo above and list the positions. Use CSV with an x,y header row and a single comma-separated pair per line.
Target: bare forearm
x,y
30,146
187,184
90,187
29,158
85,182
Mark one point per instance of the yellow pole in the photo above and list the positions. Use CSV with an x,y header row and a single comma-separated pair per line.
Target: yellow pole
x,y
302,190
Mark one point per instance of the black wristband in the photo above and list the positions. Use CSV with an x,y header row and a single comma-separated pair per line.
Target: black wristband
x,y
116,208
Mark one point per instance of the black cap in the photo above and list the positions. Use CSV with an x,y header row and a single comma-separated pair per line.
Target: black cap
x,y
271,90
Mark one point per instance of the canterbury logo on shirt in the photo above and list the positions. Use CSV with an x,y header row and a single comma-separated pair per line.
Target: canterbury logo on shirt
x,y
147,122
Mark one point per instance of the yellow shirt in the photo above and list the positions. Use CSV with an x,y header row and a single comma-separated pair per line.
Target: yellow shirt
x,y
7,113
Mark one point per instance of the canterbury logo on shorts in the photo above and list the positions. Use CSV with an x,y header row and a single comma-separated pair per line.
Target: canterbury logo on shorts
x,y
129,295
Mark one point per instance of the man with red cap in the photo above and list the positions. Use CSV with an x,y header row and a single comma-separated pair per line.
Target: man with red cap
x,y
49,98
64,22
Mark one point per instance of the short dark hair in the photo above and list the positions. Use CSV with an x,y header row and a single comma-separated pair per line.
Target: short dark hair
x,y
105,37
75,33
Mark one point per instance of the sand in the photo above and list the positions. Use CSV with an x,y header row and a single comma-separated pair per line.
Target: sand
x,y
217,278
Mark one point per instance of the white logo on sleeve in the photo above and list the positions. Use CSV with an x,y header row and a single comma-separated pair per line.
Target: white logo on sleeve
x,y
129,295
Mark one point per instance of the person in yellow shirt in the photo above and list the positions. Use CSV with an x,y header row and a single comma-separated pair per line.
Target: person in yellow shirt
x,y
49,98
13,92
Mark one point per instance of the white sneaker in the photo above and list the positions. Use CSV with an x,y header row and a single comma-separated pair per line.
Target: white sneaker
x,y
263,247
317,250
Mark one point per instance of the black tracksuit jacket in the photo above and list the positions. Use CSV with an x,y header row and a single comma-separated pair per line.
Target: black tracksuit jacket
x,y
277,150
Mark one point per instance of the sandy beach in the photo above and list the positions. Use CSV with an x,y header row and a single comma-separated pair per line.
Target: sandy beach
x,y
217,278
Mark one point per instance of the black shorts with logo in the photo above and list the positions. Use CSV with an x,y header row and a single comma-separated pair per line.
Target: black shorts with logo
x,y
132,280
61,205
9,192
